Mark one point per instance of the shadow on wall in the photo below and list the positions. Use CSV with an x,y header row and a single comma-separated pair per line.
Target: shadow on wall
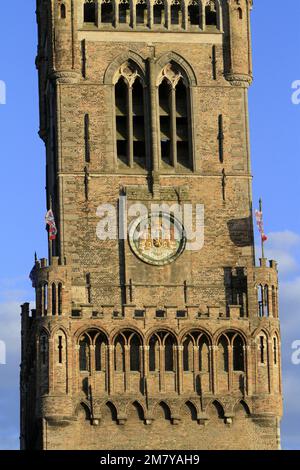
x,y
240,231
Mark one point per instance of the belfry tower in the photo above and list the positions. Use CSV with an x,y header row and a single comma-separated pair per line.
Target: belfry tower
x,y
140,342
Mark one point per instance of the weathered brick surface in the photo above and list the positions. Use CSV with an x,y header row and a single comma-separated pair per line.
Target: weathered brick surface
x,y
211,406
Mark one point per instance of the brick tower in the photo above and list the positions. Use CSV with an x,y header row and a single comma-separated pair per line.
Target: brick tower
x,y
140,342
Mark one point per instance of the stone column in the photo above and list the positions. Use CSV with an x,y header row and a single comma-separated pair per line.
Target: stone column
x,y
214,368
162,368
180,387
230,367
111,386
127,368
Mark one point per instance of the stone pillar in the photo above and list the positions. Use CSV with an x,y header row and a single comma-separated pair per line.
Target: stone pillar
x,y
270,365
214,368
51,365
111,387
249,371
230,367
127,368
180,370
162,368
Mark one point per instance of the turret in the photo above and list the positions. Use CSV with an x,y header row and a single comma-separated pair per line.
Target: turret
x,y
238,60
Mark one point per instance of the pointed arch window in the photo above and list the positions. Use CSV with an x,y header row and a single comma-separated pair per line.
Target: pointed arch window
x,y
124,12
84,353
176,12
159,12
100,353
141,12
135,359
162,352
89,11
194,13
223,354
211,13
238,354
120,354
130,117
175,119
107,12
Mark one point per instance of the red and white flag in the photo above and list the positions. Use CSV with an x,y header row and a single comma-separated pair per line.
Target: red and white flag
x,y
260,224
50,221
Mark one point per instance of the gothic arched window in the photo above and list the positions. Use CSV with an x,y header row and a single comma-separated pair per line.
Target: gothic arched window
x,y
100,352
135,359
89,13
159,12
194,13
174,113
238,354
188,354
211,13
162,350
130,117
176,12
120,354
84,353
141,12
223,354
124,12
107,12
204,355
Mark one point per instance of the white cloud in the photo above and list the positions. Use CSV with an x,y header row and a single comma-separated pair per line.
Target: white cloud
x,y
283,247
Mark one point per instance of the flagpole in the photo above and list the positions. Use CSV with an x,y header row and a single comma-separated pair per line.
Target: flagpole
x,y
261,235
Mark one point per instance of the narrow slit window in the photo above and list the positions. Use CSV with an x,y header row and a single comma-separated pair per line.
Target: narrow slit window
x,y
59,294
262,349
54,304
275,350
63,13
87,137
60,349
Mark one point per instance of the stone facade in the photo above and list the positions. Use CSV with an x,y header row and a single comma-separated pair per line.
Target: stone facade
x,y
120,353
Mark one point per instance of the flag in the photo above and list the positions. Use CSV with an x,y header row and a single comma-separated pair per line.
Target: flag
x,y
50,221
260,224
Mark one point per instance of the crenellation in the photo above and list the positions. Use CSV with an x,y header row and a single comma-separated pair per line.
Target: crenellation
x,y
129,346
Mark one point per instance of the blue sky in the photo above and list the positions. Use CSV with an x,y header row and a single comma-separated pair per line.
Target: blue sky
x,y
275,143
